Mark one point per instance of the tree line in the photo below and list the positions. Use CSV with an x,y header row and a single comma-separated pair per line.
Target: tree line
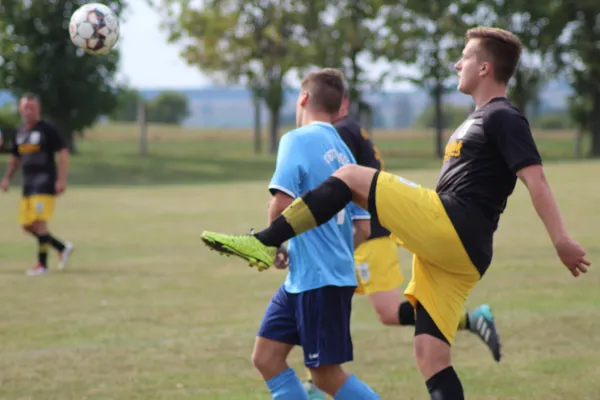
x,y
261,44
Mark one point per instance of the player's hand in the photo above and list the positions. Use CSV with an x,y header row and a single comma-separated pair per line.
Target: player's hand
x,y
281,258
60,186
5,185
572,255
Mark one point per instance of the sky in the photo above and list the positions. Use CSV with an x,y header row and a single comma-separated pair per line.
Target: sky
x,y
149,62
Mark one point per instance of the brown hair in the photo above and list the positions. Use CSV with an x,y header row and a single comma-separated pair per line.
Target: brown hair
x,y
501,47
30,96
326,90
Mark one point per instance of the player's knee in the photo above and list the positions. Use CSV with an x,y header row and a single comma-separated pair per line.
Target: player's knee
x,y
432,354
267,363
39,227
388,317
28,229
329,378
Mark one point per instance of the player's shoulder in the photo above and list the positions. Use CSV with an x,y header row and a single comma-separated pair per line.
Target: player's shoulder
x,y
501,109
348,125
46,126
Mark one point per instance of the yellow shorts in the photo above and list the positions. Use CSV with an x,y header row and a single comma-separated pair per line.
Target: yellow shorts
x,y
37,207
442,273
377,266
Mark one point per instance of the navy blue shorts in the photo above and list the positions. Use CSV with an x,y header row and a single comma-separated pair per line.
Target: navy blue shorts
x,y
318,320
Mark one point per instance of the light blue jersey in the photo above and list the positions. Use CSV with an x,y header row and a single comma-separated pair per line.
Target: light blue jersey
x,y
323,256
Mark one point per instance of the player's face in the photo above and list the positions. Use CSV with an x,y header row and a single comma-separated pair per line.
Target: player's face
x,y
469,68
30,110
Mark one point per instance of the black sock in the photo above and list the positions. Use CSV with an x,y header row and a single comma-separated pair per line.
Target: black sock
x,y
406,313
467,322
57,244
314,208
43,244
445,385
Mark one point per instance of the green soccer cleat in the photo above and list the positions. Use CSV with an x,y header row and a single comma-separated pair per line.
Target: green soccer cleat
x,y
481,323
314,393
246,247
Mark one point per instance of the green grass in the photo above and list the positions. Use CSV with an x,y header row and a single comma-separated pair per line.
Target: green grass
x,y
146,312
109,155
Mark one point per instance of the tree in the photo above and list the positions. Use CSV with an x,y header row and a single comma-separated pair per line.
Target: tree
x,y
168,108
579,54
428,33
341,33
254,43
126,108
37,55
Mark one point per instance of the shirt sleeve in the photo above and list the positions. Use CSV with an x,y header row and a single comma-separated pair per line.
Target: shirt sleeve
x,y
512,136
289,168
57,141
357,212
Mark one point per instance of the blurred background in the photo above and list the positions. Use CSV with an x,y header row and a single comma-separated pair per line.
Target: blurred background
x,y
182,120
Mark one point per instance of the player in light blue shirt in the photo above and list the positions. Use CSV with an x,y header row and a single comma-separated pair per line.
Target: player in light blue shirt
x,y
325,256
312,308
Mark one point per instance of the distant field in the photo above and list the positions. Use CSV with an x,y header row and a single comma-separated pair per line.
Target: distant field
x,y
108,154
146,312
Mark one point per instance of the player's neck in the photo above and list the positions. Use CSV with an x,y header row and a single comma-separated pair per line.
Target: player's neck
x,y
31,124
319,117
485,94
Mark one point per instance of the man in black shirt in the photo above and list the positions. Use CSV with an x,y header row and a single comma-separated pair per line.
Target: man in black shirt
x,y
34,146
449,230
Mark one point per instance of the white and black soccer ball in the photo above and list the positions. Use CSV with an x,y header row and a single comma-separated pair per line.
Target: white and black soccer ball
x,y
94,28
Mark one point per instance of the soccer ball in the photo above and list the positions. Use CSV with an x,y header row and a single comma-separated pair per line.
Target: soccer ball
x,y
94,28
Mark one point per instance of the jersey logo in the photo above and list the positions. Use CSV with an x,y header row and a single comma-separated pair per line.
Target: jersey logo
x,y
333,155
464,128
34,137
363,271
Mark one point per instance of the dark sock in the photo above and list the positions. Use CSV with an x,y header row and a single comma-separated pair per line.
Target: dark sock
x,y
406,313
43,244
315,208
57,244
445,385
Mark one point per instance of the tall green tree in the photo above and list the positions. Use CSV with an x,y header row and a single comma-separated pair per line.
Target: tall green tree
x,y
428,34
580,55
342,36
36,55
255,43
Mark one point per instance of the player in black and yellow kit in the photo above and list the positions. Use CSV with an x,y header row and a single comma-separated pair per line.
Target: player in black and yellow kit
x,y
449,230
35,143
377,265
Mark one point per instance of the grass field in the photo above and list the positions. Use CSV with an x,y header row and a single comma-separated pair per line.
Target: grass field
x,y
146,312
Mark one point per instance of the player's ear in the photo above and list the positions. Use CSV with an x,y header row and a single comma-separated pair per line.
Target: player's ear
x,y
304,99
485,68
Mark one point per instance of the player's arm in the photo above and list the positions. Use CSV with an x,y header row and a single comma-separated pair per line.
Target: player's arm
x,y
361,224
279,202
63,166
515,142
59,145
13,165
362,231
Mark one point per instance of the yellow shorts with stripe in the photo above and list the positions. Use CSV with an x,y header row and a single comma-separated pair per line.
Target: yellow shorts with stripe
x,y
442,272
37,207
377,266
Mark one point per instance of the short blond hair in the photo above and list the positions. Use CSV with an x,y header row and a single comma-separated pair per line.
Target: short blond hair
x,y
503,49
